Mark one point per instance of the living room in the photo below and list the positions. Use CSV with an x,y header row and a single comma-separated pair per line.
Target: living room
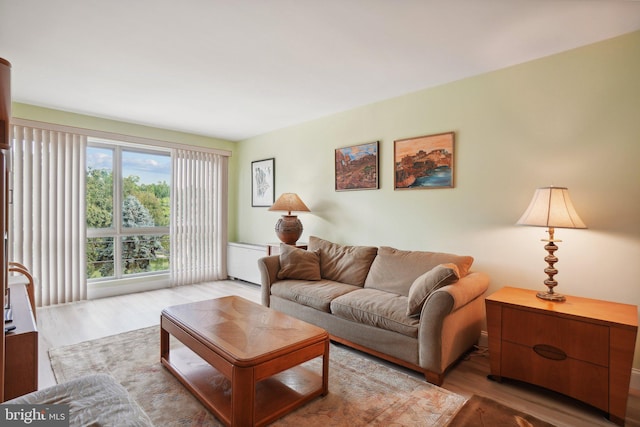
x,y
565,119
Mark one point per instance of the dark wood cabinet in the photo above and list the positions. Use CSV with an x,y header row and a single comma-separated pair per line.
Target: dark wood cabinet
x,y
5,144
582,348
21,347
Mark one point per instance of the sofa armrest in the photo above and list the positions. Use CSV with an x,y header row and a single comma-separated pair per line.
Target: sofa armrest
x,y
452,297
269,267
465,290
454,308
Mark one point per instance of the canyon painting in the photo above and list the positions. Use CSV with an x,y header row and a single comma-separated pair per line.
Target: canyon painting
x,y
357,167
424,161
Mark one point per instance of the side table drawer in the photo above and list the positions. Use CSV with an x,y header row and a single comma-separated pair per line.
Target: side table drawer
x,y
584,381
578,340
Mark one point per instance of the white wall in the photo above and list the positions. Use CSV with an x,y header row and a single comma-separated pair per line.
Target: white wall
x,y
571,120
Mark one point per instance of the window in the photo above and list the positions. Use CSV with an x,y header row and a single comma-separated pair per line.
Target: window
x,y
97,214
128,203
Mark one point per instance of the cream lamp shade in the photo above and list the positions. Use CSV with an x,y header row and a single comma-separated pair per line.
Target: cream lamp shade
x,y
551,207
289,228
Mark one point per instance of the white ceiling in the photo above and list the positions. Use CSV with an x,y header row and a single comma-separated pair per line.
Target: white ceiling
x,y
233,69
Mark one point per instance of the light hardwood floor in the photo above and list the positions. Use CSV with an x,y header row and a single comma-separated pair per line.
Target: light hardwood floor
x,y
73,323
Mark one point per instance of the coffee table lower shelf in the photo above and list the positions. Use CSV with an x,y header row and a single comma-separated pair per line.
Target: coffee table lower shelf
x,y
275,395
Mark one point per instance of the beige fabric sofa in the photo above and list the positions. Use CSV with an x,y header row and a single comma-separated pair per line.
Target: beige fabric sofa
x,y
421,310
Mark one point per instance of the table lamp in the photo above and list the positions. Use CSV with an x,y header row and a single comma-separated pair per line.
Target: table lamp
x,y
551,207
289,227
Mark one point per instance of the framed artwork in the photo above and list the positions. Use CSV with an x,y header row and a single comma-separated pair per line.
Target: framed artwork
x,y
263,173
357,167
424,162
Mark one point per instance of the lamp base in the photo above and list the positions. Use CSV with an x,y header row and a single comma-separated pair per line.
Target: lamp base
x,y
288,229
551,271
551,296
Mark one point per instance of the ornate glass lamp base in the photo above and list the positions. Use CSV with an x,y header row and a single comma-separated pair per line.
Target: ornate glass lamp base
x,y
551,296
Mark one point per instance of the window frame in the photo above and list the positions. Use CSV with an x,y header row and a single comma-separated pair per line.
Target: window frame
x,y
117,231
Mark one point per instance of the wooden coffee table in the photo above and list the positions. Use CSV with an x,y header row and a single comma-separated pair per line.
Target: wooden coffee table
x,y
241,360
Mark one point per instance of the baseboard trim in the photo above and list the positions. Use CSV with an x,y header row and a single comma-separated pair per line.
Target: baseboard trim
x,y
634,384
484,339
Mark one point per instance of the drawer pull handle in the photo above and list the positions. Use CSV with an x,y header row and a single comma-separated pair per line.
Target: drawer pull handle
x,y
549,352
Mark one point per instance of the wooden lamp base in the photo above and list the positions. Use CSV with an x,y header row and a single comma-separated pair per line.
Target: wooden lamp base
x,y
551,271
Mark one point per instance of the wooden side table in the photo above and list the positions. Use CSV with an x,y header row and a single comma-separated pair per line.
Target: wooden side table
x,y
274,248
582,348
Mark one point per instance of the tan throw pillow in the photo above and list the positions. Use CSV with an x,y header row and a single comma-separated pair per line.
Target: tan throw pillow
x,y
423,286
341,263
296,263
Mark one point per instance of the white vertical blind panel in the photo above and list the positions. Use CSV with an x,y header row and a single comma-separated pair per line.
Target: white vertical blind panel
x,y
198,227
49,224
15,251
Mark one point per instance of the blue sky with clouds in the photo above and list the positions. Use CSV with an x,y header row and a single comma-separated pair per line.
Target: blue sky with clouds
x,y
151,168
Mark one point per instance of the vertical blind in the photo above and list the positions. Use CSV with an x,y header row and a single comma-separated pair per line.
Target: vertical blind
x,y
198,216
47,222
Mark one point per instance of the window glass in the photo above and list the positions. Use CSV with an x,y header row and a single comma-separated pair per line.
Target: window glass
x,y
145,195
100,260
145,253
99,194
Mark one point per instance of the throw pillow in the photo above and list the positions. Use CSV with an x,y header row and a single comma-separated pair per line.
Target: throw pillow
x,y
423,286
296,263
341,263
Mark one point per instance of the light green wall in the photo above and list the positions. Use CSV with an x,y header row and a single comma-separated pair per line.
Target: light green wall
x,y
31,112
571,119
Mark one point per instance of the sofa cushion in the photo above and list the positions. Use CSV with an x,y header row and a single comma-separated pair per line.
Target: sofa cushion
x,y
394,270
424,285
376,308
317,294
296,263
340,263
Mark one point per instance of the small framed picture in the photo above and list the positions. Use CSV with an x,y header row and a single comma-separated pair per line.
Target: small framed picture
x,y
263,173
424,162
357,167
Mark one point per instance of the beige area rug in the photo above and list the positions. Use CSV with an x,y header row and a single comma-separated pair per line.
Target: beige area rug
x,y
362,392
481,411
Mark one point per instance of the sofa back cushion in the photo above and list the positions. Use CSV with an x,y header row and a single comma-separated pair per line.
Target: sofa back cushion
x,y
394,270
340,263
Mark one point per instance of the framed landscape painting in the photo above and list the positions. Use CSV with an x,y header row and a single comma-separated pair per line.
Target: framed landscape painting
x,y
263,182
357,167
424,162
